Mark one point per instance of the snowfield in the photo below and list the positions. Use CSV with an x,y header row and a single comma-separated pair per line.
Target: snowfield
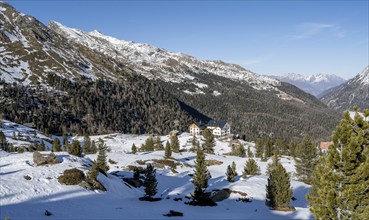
x,y
28,199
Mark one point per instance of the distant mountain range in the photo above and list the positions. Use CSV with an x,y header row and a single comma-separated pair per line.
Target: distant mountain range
x,y
313,84
353,92
89,82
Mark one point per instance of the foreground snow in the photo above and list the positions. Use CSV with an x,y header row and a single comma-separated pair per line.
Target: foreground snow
x,y
28,199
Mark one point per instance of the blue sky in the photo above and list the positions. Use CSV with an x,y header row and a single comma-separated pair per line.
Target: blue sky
x,y
267,37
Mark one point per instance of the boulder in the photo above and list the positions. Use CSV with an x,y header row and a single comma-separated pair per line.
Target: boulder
x,y
220,195
43,159
133,182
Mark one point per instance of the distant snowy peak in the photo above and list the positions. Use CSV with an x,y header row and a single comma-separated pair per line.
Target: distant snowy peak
x,y
363,77
313,84
173,67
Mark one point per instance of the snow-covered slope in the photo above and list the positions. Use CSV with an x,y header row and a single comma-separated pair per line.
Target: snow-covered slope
x,y
353,92
28,199
313,84
147,59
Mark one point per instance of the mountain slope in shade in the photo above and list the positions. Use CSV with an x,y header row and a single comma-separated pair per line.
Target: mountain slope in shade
x,y
353,92
313,84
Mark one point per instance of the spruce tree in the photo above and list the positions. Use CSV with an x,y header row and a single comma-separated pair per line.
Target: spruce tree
x,y
306,160
75,149
259,147
174,144
56,145
41,147
168,151
251,168
134,149
234,168
209,143
201,175
278,190
249,153
86,145
150,183
341,178
293,147
102,165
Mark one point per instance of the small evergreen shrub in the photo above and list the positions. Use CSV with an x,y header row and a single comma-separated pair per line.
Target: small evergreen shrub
x,y
72,177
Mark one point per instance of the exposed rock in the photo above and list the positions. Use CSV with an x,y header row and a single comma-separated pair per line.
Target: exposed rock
x,y
220,195
43,159
133,182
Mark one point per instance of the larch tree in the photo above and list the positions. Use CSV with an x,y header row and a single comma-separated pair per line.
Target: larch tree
x,y
340,182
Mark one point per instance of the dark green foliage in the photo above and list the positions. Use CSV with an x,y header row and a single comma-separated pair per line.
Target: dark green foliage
x,y
168,150
56,145
93,148
134,149
75,149
3,142
101,162
71,177
87,145
341,178
93,173
201,175
20,150
150,183
158,144
278,190
209,143
133,105
11,148
251,168
293,147
238,150
174,143
149,145
259,148
41,147
14,136
136,173
231,172
306,159
249,153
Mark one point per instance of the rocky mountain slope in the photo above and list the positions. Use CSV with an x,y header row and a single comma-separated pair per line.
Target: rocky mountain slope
x,y
254,105
353,92
313,84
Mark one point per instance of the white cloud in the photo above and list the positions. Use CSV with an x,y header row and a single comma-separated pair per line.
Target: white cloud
x,y
308,30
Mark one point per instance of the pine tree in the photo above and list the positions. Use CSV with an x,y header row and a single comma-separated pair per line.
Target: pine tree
x,y
14,136
93,148
209,143
150,183
75,149
158,144
102,164
234,168
278,190
134,149
174,144
251,168
293,147
259,147
41,147
168,151
307,158
149,144
249,153
93,173
269,148
230,174
56,145
86,145
201,175
194,141
341,178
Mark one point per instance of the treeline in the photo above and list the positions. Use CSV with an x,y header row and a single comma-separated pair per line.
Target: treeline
x,y
135,105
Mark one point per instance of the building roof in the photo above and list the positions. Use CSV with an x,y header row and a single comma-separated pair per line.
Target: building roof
x,y
325,145
216,123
